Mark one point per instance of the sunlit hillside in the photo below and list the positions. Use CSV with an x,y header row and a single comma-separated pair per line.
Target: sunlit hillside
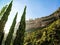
x,y
49,34
43,21
45,36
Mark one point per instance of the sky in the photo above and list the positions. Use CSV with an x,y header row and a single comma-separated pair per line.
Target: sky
x,y
35,9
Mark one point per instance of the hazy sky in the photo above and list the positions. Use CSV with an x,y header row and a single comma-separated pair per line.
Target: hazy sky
x,y
35,9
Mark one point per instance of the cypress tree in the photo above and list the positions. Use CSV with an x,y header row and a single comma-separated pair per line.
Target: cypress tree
x,y
3,21
19,39
10,34
1,14
3,10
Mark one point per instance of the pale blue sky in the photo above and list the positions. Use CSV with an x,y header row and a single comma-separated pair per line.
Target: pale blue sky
x,y
35,9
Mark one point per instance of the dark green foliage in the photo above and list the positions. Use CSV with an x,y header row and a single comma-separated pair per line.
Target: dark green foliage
x,y
3,21
1,14
5,17
7,12
10,34
19,40
2,11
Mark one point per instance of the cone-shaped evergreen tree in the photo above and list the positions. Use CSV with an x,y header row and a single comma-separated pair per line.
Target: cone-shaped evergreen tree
x,y
10,34
19,39
3,10
3,21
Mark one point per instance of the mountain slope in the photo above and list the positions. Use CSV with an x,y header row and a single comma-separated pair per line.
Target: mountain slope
x,y
46,36
42,22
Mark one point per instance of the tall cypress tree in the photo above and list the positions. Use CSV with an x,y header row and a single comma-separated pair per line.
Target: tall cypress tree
x,y
3,10
3,21
10,34
1,14
19,39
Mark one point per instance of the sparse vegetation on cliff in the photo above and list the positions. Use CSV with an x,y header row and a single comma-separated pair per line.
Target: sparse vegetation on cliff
x,y
46,36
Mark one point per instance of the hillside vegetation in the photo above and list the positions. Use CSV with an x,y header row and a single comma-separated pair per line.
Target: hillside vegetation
x,y
46,36
43,31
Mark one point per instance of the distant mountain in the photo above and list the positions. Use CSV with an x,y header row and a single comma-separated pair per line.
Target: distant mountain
x,y
42,22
